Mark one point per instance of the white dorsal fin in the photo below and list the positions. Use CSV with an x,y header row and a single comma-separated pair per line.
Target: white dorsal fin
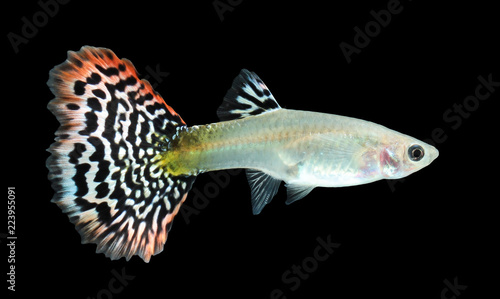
x,y
247,96
263,187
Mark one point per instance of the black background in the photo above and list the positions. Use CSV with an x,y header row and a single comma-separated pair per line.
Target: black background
x,y
396,242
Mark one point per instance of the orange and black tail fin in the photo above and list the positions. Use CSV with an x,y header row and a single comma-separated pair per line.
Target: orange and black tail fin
x,y
104,161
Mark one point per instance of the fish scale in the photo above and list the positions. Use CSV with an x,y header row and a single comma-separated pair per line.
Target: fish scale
x,y
123,161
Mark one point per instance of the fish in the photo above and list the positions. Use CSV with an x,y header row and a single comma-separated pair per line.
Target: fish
x,y
123,161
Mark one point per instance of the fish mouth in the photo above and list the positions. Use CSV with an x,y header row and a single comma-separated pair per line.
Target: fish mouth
x,y
433,154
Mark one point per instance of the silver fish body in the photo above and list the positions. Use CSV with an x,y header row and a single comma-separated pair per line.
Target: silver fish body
x,y
304,148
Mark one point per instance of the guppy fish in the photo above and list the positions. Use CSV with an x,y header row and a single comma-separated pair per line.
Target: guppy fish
x,y
123,160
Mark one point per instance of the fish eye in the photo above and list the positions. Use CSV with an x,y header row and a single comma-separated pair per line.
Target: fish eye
x,y
415,152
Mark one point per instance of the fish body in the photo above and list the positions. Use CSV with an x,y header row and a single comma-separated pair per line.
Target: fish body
x,y
124,161
294,146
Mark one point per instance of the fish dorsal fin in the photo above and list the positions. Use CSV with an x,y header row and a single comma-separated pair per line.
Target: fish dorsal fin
x,y
295,192
263,188
247,96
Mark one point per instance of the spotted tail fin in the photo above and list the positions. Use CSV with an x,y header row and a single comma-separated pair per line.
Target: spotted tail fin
x,y
104,161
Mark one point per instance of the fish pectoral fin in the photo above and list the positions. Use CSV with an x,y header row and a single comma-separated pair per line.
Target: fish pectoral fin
x,y
337,149
296,191
263,187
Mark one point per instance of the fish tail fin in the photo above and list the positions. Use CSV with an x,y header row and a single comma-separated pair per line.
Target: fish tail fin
x,y
105,162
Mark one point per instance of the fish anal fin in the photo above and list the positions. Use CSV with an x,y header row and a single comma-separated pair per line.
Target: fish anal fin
x,y
296,192
263,187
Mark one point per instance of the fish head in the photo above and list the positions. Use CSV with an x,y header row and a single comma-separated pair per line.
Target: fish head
x,y
405,155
